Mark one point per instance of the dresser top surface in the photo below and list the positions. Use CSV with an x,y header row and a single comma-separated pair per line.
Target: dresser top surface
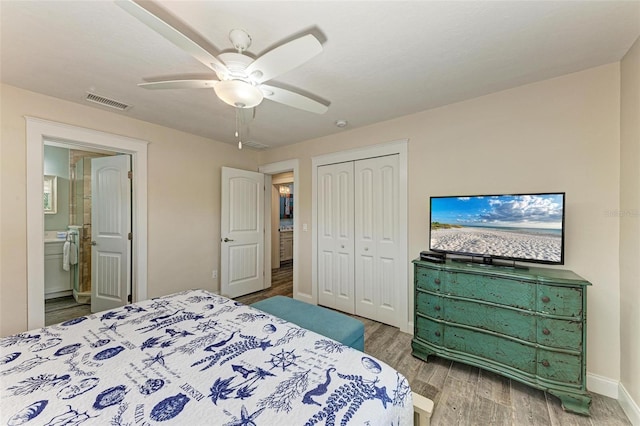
x,y
535,273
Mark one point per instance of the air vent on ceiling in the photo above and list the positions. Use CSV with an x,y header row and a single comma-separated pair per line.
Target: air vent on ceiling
x,y
92,97
255,145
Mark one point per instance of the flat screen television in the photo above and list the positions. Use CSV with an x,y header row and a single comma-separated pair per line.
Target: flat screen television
x,y
515,227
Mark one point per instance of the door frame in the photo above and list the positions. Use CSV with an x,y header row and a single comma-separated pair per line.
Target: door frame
x,y
390,148
269,170
37,131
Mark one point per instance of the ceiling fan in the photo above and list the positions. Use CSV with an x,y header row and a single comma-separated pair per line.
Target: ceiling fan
x,y
239,80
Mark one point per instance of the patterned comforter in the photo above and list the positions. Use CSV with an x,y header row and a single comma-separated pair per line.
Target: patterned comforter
x,y
193,358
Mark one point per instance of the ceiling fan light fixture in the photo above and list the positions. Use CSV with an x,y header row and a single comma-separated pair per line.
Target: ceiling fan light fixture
x,y
238,93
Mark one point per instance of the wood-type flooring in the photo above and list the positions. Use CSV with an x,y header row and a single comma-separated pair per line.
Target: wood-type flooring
x,y
463,395
62,309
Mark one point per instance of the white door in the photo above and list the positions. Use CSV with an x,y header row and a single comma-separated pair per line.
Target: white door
x,y
110,228
336,236
378,272
242,232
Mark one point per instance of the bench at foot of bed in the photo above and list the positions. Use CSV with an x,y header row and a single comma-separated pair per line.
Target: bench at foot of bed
x,y
342,328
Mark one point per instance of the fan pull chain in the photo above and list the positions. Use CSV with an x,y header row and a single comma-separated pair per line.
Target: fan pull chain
x,y
238,128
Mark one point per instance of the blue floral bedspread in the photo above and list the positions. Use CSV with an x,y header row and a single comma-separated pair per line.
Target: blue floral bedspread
x,y
193,358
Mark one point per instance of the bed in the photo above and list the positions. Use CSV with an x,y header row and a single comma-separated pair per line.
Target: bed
x,y
193,358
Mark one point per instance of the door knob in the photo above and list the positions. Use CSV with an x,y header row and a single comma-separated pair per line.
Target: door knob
x,y
93,243
226,240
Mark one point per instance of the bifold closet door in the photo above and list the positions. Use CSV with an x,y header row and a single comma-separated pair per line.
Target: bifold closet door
x,y
358,227
377,269
336,236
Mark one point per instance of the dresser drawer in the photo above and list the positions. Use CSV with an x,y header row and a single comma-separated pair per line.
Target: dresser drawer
x,y
560,333
494,348
519,324
430,279
429,305
517,294
429,331
558,300
560,367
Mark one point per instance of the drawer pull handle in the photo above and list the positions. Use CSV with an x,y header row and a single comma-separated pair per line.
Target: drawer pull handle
x,y
437,308
546,331
545,299
545,363
437,281
438,333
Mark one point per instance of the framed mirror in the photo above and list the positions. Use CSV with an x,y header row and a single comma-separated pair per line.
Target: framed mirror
x,y
50,194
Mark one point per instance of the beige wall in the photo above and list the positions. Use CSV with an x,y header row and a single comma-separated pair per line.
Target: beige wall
x,y
561,134
557,135
183,198
630,222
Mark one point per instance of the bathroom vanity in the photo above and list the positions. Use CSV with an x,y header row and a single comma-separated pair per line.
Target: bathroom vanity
x,y
57,281
286,245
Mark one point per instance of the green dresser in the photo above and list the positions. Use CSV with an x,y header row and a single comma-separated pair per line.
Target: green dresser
x,y
529,325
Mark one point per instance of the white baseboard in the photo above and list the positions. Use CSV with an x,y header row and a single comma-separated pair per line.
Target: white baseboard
x,y
629,406
305,298
602,385
56,294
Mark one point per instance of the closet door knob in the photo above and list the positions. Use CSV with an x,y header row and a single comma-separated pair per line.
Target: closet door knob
x,y
93,243
226,240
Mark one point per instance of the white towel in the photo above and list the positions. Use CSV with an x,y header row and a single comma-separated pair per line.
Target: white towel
x,y
73,254
65,255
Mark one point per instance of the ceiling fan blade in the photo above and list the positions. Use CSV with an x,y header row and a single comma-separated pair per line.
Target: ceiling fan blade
x,y
293,99
284,58
179,84
148,17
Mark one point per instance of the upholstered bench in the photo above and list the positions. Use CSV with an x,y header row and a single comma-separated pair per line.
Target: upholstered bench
x,y
345,329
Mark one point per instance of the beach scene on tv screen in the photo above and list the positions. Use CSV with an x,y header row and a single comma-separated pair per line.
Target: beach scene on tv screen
x,y
527,227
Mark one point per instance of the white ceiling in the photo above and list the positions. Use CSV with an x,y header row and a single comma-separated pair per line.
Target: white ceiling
x,y
381,59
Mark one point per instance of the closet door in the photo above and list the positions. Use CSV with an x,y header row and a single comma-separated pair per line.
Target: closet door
x,y
336,236
377,270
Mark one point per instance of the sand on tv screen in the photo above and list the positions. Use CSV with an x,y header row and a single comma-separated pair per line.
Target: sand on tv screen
x,y
526,227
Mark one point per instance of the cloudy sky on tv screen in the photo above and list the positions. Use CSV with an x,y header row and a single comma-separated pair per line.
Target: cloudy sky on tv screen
x,y
514,226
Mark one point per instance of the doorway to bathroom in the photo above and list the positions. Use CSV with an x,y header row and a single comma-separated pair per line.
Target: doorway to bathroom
x,y
282,231
37,132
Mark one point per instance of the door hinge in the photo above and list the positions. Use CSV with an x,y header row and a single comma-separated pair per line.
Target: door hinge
x,y
130,174
130,236
129,299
